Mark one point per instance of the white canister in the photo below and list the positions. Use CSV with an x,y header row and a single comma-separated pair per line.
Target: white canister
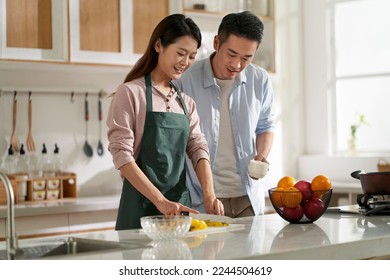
x,y
22,186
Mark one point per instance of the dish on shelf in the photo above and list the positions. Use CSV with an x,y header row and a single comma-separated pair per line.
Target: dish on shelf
x,y
38,184
39,195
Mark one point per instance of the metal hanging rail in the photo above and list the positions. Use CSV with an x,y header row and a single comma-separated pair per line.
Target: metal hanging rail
x,y
72,94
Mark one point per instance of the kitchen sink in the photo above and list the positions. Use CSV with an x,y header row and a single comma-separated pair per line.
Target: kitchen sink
x,y
70,246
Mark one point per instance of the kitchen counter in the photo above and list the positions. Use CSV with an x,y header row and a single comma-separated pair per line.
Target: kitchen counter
x,y
68,215
334,236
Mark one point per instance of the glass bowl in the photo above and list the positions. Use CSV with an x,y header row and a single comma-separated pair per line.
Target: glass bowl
x,y
162,227
298,207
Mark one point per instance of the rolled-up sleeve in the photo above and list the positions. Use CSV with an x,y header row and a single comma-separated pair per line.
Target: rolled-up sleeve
x,y
266,121
122,126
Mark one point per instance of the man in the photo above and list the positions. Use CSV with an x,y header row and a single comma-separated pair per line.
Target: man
x,y
234,99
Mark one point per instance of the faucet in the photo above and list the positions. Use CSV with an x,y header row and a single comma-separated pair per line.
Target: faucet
x,y
12,241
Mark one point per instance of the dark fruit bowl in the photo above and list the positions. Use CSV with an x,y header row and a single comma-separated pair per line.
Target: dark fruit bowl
x,y
299,207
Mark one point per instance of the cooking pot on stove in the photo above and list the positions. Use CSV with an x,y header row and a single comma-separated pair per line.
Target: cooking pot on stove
x,y
373,183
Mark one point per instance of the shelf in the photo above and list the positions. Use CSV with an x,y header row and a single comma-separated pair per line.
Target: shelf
x,y
204,13
42,188
209,20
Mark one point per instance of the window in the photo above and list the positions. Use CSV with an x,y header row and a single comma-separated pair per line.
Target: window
x,y
360,72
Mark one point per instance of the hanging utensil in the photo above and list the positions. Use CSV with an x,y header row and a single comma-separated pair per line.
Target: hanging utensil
x,y
30,141
100,149
14,138
87,148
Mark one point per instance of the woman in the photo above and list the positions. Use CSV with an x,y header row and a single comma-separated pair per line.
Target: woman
x,y
152,127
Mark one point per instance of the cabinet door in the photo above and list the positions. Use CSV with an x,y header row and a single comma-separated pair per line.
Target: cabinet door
x,y
101,31
146,17
33,30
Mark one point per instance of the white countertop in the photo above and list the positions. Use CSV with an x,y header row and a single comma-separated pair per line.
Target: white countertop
x,y
334,236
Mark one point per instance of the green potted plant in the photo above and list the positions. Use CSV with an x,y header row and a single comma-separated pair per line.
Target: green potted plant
x,y
353,141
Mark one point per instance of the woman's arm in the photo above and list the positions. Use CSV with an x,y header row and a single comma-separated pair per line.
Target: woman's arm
x,y
138,179
198,152
211,204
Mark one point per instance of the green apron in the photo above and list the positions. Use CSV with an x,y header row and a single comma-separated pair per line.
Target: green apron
x,y
162,159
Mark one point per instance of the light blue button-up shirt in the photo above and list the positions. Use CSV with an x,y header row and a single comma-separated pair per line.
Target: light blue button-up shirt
x,y
251,113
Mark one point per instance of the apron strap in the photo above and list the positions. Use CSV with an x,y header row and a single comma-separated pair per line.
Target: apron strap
x,y
180,98
148,82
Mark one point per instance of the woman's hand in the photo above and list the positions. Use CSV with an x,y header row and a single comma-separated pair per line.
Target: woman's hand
x,y
138,179
213,206
168,207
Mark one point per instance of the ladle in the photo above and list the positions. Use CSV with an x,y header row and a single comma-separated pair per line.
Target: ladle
x,y
87,148
100,149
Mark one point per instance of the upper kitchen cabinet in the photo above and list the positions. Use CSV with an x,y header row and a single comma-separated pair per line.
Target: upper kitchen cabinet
x,y
147,14
107,32
101,31
33,30
112,31
209,13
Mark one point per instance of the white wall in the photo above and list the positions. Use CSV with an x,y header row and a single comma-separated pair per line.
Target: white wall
x,y
315,73
57,120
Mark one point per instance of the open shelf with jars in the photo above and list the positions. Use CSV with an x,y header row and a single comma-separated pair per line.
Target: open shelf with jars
x,y
209,13
61,186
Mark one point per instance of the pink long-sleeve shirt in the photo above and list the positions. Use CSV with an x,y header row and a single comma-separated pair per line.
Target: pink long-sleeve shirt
x,y
126,121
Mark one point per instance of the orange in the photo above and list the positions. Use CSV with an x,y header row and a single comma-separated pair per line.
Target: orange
x,y
286,182
291,197
320,182
276,197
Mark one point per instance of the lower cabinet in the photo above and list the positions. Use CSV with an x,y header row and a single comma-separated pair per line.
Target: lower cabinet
x,y
63,223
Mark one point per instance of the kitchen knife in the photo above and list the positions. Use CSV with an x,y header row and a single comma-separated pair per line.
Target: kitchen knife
x,y
341,211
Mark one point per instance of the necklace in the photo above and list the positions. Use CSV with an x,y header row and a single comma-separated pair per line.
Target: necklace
x,y
170,93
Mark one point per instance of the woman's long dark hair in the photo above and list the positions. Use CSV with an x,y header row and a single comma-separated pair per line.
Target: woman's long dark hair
x,y
168,31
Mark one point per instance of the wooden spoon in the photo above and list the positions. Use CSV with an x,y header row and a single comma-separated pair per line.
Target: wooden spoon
x,y
14,138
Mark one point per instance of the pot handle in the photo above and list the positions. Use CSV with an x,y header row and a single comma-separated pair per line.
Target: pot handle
x,y
356,174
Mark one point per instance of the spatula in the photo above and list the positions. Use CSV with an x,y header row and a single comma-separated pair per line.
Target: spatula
x,y
30,144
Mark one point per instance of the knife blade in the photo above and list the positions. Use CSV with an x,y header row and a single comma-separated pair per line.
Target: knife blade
x,y
341,211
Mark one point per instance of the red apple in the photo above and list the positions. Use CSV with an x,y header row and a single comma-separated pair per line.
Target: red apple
x,y
314,208
293,214
305,187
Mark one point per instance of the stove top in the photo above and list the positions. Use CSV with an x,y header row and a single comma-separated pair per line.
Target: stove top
x,y
374,204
